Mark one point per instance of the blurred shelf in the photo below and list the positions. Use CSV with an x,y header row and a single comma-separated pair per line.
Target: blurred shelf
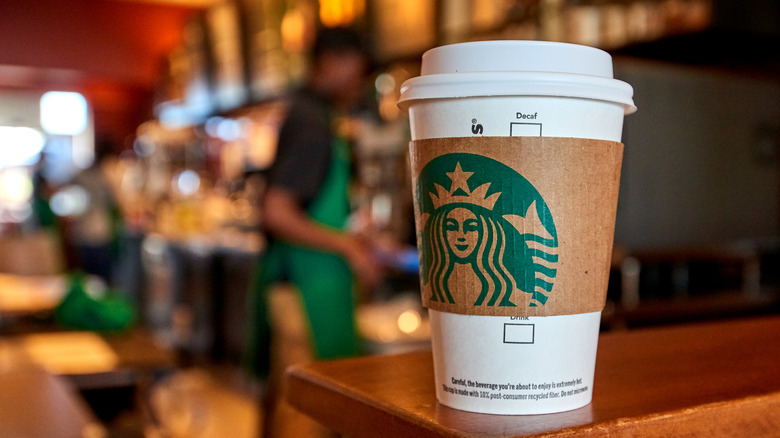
x,y
707,307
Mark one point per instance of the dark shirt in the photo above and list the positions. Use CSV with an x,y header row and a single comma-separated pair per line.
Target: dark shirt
x,y
304,148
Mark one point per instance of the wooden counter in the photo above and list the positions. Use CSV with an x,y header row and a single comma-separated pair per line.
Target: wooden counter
x,y
710,379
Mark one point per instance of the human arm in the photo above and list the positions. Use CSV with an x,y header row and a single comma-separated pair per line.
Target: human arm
x,y
286,220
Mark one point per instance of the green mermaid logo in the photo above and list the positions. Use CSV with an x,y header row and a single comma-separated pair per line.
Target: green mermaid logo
x,y
472,233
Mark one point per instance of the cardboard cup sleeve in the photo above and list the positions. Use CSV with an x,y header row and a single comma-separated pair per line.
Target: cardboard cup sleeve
x,y
515,226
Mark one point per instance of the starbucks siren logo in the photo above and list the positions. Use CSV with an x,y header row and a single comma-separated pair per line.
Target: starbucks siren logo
x,y
491,229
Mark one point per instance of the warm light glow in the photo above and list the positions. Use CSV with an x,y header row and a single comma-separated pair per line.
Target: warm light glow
x,y
70,352
387,333
63,113
293,31
340,12
409,321
262,144
241,209
19,146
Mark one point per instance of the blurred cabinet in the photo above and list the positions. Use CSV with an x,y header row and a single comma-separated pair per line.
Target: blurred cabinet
x,y
196,296
701,158
699,207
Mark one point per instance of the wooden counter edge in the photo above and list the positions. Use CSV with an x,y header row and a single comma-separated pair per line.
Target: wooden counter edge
x,y
331,404
753,416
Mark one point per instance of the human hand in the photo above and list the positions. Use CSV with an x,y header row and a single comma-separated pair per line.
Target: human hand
x,y
367,270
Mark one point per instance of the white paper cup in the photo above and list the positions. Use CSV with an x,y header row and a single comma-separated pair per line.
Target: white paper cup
x,y
521,362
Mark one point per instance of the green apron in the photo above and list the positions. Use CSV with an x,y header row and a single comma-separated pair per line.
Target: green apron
x,y
323,279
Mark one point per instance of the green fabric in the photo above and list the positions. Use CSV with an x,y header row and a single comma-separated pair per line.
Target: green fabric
x,y
324,280
79,310
42,212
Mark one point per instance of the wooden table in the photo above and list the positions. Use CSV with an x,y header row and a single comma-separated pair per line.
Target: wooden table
x,y
36,404
709,379
91,361
29,294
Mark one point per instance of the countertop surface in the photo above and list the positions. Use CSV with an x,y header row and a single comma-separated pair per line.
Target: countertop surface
x,y
705,379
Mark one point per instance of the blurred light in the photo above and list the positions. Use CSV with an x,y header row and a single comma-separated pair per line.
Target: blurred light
x,y
211,125
143,146
381,209
63,113
21,213
385,83
387,333
154,246
340,12
241,209
70,201
177,115
229,130
83,151
293,31
409,321
16,187
19,145
262,139
224,129
188,182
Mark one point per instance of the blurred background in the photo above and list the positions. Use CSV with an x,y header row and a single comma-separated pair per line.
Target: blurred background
x,y
135,136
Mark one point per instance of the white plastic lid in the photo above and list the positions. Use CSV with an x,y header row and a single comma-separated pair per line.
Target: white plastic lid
x,y
512,68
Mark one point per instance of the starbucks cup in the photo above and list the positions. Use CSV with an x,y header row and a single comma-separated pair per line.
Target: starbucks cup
x,y
515,158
